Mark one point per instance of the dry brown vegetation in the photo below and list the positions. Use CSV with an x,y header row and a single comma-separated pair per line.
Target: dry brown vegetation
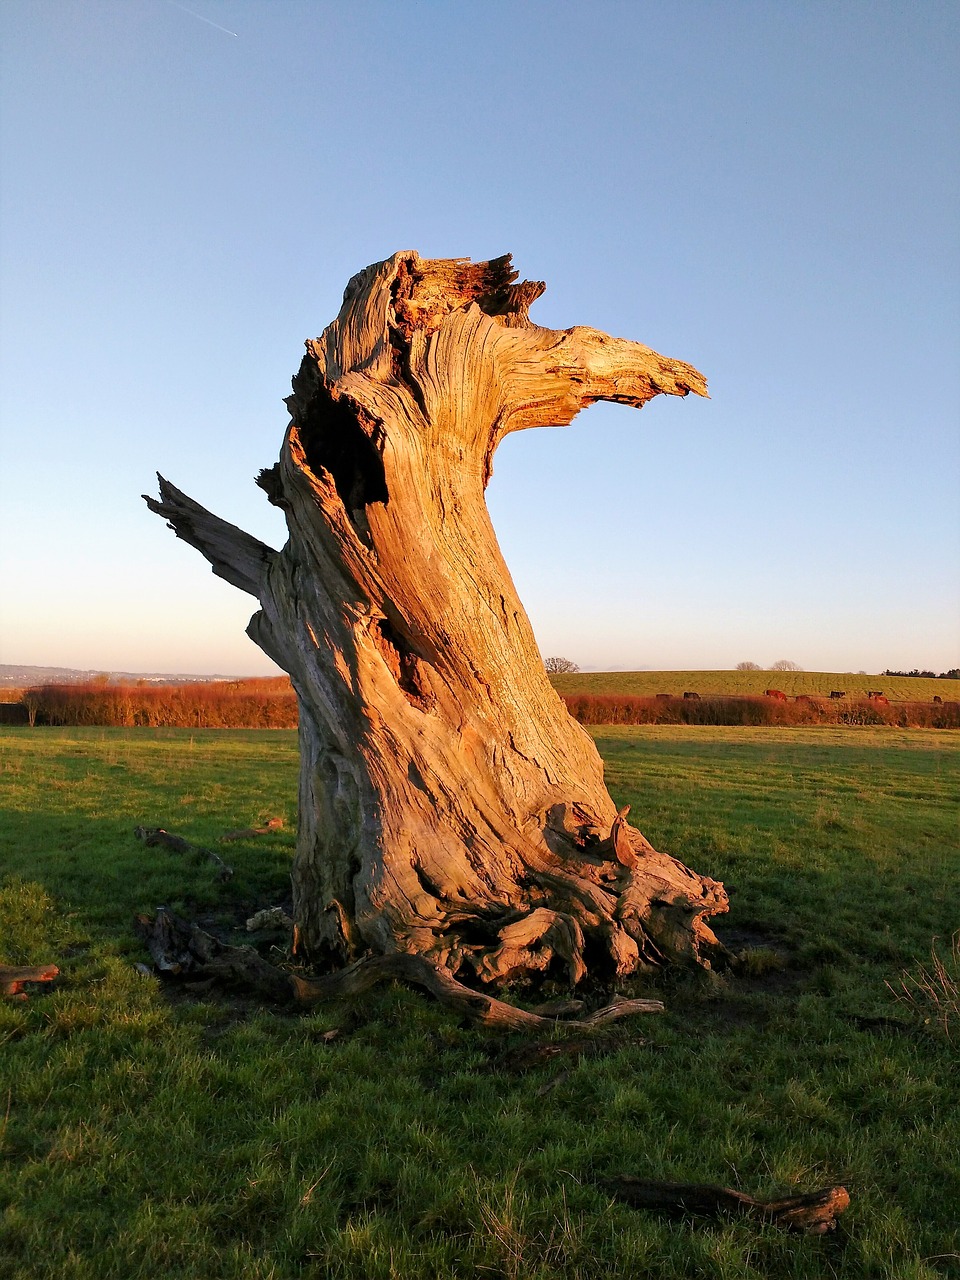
x,y
271,704
217,704
933,990
612,708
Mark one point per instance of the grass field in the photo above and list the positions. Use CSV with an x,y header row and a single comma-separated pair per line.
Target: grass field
x,y
646,684
147,1134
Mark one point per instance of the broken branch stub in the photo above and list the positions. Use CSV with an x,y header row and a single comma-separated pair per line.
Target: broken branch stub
x,y
450,807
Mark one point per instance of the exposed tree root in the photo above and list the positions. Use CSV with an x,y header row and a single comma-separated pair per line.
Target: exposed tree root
x,y
476,1006
182,950
814,1213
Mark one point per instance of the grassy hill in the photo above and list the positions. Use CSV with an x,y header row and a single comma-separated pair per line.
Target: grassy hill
x,y
646,684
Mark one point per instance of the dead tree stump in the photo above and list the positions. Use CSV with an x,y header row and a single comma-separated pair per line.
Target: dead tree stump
x,y
450,808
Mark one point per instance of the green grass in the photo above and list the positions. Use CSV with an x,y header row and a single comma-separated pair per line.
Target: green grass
x,y
646,684
152,1135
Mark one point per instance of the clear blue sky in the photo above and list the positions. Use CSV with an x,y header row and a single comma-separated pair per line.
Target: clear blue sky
x,y
768,190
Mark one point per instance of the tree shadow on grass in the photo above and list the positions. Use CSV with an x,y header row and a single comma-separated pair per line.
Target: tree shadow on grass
x,y
101,875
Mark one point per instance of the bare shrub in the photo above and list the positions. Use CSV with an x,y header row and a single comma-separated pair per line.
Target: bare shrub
x,y
932,991
748,666
785,664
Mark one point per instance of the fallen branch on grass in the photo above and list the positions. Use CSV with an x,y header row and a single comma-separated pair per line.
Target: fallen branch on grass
x,y
182,950
813,1213
12,978
157,836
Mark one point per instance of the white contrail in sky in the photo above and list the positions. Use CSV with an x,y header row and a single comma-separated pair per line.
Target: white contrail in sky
x,y
210,21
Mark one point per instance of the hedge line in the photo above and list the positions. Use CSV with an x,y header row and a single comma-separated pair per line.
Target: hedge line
x,y
272,704
611,708
234,704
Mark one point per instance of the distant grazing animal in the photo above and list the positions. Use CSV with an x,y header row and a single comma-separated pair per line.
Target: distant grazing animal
x,y
877,696
664,697
937,698
874,693
775,693
838,693
691,695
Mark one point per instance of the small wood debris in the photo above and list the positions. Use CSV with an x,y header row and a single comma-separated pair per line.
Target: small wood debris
x,y
12,978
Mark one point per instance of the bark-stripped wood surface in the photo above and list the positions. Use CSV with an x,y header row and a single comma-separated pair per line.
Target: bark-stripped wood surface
x,y
449,805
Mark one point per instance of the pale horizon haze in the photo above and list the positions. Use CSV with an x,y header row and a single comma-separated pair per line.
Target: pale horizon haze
x,y
768,191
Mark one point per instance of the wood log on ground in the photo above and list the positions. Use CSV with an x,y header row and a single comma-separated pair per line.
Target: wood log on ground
x,y
185,951
814,1212
450,808
13,977
157,836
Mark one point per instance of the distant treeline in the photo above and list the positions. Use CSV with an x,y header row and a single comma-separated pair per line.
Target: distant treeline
x,y
221,704
952,674
612,708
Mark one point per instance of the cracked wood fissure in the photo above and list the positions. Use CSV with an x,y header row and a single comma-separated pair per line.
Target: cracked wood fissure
x,y
449,806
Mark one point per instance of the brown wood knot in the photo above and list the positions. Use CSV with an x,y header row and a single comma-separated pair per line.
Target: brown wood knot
x,y
813,1213
12,978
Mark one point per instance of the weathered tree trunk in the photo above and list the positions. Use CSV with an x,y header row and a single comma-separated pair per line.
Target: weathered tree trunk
x,y
449,805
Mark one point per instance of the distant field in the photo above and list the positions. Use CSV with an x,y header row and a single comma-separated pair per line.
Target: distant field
x,y
646,684
153,1135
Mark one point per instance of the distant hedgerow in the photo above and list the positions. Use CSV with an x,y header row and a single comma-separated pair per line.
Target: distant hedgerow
x,y
952,674
610,708
215,704
272,704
